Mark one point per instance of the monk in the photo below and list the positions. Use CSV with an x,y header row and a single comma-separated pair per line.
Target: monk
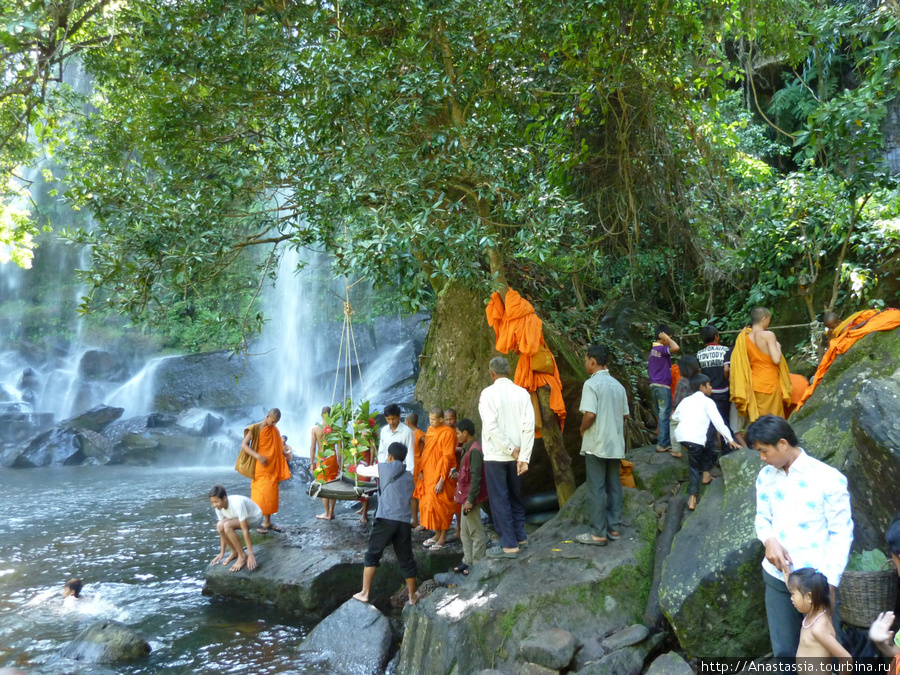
x,y
438,460
329,464
263,441
412,421
760,380
450,418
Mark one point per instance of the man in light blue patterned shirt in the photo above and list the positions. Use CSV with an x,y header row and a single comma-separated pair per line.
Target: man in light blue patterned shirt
x,y
803,519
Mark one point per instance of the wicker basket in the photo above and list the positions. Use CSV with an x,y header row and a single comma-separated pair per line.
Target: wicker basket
x,y
864,595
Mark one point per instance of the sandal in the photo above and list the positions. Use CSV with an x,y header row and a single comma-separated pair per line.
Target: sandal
x,y
262,530
660,448
588,538
676,455
612,534
435,547
462,568
275,528
428,542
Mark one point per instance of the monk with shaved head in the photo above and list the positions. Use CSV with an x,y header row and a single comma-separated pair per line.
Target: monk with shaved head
x,y
438,460
263,441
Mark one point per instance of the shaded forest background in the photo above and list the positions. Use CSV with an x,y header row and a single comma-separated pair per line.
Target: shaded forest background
x,y
695,158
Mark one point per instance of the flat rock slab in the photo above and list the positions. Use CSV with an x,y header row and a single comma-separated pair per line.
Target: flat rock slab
x,y
355,638
552,648
625,638
317,567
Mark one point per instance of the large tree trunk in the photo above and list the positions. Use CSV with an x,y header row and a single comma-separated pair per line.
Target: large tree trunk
x,y
556,449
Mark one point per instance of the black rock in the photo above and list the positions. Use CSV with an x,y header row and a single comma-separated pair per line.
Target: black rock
x,y
356,638
97,364
106,641
55,447
95,419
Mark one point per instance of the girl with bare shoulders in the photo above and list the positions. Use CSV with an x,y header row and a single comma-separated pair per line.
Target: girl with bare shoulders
x,y
811,596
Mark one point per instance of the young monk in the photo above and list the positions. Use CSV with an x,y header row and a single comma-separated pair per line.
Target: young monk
x,y
412,421
760,381
438,460
330,464
263,441
450,417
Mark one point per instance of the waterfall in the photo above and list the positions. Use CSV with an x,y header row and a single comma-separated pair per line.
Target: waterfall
x,y
136,395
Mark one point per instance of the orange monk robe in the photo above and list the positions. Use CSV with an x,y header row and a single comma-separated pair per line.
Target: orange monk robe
x,y
330,464
438,459
264,488
846,335
758,386
519,329
419,492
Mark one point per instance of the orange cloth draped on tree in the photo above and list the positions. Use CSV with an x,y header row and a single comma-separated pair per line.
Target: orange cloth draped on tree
x,y
846,335
438,459
519,329
419,492
758,386
264,488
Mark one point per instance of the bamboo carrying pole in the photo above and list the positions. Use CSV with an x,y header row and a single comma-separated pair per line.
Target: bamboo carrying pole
x,y
811,324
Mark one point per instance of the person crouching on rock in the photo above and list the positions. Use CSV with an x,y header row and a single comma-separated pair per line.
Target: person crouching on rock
x,y
235,512
392,526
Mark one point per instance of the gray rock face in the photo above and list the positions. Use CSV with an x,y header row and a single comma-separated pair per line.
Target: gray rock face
x,y
625,638
585,590
315,571
55,447
199,422
626,661
711,589
356,638
18,427
553,648
106,642
212,380
590,651
669,664
95,419
97,364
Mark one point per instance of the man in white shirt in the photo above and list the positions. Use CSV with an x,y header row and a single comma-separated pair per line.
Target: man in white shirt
x,y
393,432
233,513
803,518
693,417
507,438
604,405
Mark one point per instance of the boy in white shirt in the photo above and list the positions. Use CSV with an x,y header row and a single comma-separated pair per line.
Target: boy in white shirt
x,y
235,512
693,416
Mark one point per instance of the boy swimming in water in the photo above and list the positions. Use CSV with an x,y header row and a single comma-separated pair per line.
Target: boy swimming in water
x,y
235,512
73,588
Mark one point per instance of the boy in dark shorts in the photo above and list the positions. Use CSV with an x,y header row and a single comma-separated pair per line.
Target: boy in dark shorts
x,y
392,526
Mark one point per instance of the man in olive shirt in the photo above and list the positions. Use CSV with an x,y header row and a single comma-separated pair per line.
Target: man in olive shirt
x,y
604,404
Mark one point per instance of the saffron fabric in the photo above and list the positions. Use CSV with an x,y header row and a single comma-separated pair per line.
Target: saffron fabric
x,y
419,492
264,488
846,335
438,459
518,329
758,386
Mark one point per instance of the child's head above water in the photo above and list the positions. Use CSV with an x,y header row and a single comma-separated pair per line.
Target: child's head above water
x,y
809,591
73,587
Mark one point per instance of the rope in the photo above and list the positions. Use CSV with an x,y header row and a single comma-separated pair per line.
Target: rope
x,y
811,324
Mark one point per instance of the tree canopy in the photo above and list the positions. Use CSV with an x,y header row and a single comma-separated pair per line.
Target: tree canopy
x,y
588,147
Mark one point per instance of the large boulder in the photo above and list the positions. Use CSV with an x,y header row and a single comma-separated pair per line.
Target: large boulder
x,y
98,364
55,447
106,641
199,422
211,380
18,427
95,419
712,589
555,583
316,570
851,421
355,638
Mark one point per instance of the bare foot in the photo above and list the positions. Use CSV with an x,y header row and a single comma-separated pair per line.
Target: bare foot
x,y
323,516
239,565
229,559
414,598
216,559
362,597
364,519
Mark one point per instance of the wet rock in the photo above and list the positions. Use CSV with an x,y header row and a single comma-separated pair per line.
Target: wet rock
x,y
553,648
355,638
95,419
29,381
199,422
625,638
106,641
97,364
211,380
585,590
55,447
318,569
669,664
18,427
591,650
97,448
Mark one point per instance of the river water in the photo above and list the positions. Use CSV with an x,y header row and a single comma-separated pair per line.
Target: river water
x,y
140,538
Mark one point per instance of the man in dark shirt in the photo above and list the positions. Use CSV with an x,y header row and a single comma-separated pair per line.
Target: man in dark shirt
x,y
715,363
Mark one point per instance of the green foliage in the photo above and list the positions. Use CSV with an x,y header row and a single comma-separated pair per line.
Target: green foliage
x,y
351,430
867,561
